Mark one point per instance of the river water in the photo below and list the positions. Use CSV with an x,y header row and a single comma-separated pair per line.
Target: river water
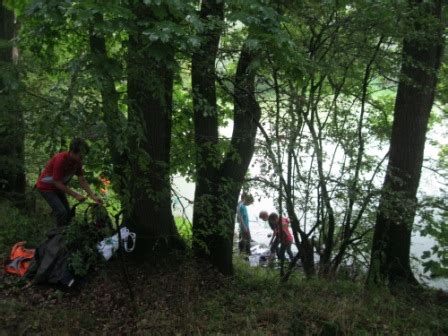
x,y
260,230
430,184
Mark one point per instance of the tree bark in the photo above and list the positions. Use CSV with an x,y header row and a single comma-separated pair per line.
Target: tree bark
x,y
218,182
12,131
326,200
247,114
150,88
203,74
390,262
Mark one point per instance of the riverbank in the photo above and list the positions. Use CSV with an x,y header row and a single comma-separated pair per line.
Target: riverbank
x,y
260,230
187,298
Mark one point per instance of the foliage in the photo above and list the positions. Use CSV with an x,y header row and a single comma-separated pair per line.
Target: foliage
x,y
327,106
326,83
82,237
433,212
184,227
436,260
19,226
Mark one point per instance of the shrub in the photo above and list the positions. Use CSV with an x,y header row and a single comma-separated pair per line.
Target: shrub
x,y
17,226
82,237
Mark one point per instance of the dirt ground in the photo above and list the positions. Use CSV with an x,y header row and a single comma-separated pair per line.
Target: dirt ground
x,y
149,300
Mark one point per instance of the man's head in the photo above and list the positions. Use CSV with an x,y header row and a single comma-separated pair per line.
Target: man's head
x,y
79,148
247,199
273,220
263,215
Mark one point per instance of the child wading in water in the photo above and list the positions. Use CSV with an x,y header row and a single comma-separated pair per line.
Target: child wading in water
x,y
283,238
243,221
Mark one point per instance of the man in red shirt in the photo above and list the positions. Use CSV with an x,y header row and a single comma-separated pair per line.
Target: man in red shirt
x,y
52,182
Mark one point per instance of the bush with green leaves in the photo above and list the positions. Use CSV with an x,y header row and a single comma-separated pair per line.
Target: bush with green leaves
x,y
434,216
82,237
17,226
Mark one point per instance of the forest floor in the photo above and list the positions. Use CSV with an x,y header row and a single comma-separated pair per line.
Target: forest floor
x,y
184,298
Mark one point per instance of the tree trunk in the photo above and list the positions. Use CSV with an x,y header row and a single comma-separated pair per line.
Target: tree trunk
x,y
305,248
150,88
247,114
203,76
112,117
422,52
12,136
218,184
331,222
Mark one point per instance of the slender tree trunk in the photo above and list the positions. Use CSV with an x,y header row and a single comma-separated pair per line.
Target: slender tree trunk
x,y
12,136
306,246
348,225
422,52
112,116
329,232
150,88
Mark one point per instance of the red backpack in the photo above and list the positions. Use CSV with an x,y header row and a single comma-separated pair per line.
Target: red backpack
x,y
19,259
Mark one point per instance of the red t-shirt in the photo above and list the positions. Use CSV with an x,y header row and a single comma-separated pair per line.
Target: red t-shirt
x,y
61,167
287,237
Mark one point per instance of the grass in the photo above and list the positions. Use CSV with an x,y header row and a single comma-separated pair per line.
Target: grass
x,y
17,225
34,320
258,304
189,299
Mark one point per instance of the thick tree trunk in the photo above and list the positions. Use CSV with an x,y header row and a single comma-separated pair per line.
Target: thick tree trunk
x,y
232,172
203,75
421,60
218,183
12,166
150,88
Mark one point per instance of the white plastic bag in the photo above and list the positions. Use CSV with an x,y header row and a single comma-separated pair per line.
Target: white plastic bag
x,y
254,260
108,246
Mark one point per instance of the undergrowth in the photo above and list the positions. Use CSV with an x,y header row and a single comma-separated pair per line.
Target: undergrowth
x,y
192,299
18,225
187,299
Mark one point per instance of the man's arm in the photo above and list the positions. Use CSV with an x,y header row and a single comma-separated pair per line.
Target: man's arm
x,y
85,185
61,186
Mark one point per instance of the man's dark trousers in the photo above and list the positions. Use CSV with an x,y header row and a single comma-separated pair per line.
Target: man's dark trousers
x,y
58,202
